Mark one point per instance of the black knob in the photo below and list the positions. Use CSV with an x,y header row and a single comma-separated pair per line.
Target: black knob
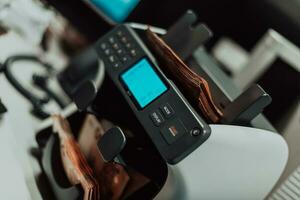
x,y
196,131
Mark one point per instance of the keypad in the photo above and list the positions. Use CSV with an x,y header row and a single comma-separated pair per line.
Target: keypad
x,y
118,49
158,116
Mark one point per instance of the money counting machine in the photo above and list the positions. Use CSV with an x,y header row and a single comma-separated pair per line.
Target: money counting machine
x,y
136,94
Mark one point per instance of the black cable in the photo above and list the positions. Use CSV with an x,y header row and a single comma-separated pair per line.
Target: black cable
x,y
41,82
2,108
36,102
6,69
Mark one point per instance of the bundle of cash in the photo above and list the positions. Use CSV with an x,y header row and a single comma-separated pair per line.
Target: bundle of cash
x,y
195,85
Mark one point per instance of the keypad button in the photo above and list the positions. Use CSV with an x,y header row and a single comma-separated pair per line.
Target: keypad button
x,y
124,39
133,52
128,45
156,118
103,46
167,110
173,130
120,52
120,33
112,40
117,65
116,46
125,59
108,52
113,59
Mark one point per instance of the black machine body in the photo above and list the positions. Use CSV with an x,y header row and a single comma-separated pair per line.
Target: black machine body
x,y
172,124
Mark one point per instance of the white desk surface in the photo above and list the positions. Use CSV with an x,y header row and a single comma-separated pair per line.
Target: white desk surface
x,y
17,129
13,182
235,163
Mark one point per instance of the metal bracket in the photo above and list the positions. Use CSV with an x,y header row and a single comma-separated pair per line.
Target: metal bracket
x,y
247,106
112,143
184,37
84,95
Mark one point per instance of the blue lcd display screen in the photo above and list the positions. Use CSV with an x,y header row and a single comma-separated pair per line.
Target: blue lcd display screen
x,y
143,83
116,10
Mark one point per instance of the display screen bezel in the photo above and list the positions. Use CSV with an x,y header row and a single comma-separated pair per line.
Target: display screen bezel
x,y
129,92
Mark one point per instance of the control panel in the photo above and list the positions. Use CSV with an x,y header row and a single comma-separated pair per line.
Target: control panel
x,y
167,117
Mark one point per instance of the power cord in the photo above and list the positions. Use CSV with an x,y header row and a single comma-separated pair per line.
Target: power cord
x,y
42,83
36,102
